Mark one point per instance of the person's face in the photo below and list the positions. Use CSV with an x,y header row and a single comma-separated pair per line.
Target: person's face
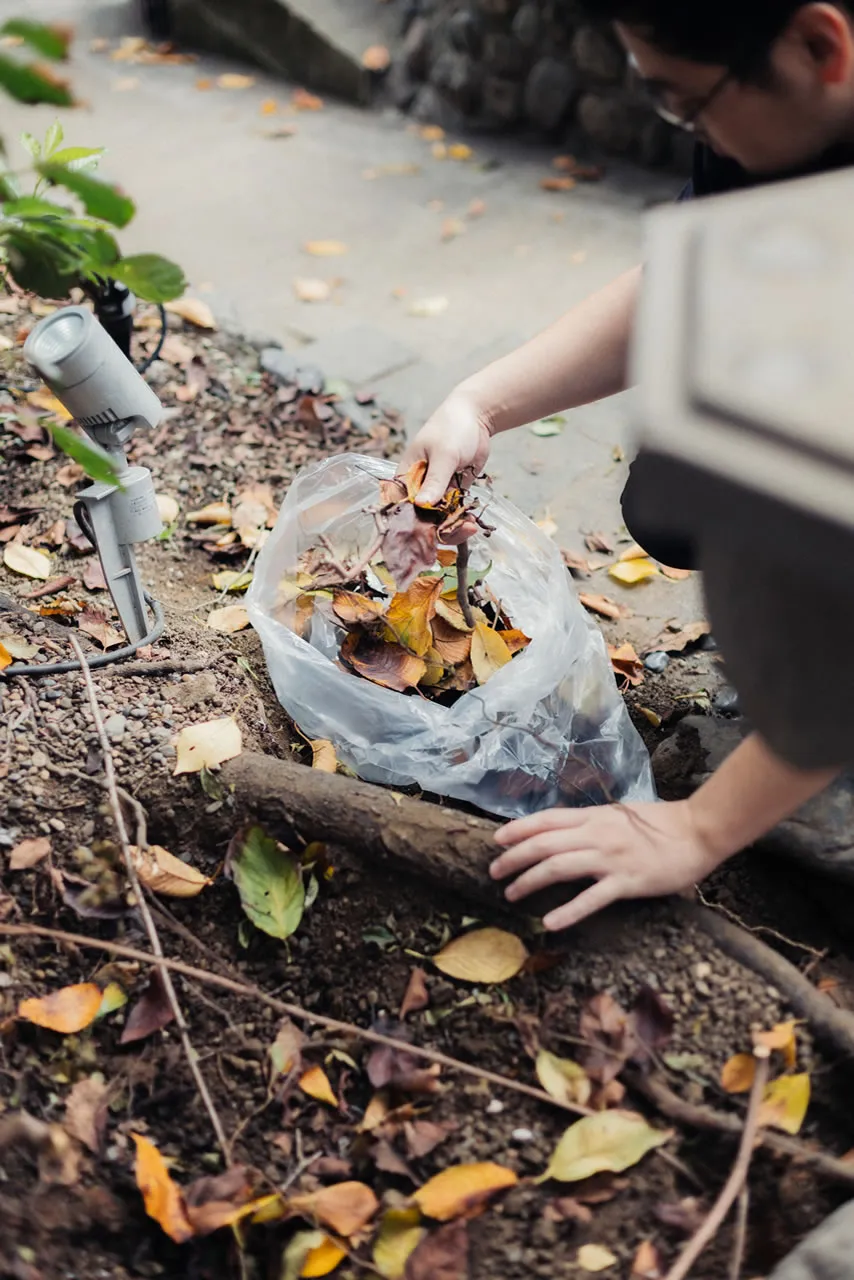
x,y
803,104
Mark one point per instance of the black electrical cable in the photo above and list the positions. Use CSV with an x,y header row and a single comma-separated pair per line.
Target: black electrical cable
x,y
149,360
100,659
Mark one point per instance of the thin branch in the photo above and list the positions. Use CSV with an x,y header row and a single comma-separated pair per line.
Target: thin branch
x,y
151,929
737,1178
463,584
740,1239
759,928
295,1011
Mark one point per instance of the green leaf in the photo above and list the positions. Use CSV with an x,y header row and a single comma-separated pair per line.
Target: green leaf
x,y
270,885
78,159
31,145
607,1142
41,265
33,207
94,461
48,41
99,198
26,84
52,140
150,277
548,426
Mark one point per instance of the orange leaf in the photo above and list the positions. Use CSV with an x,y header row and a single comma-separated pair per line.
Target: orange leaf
x,y
323,1259
626,663
463,1190
515,639
66,1011
410,614
389,665
647,1264
738,1073
345,1207
161,1196
376,58
315,1083
354,609
781,1036
604,606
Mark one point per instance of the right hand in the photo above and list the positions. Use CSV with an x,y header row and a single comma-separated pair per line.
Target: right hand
x,y
455,438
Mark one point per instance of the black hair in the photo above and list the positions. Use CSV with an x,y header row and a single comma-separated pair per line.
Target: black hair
x,y
732,33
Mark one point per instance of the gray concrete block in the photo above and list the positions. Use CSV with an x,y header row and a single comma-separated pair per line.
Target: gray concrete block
x,y
360,356
826,1252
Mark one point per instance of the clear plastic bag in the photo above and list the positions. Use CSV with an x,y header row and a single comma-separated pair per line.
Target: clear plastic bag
x,y
549,728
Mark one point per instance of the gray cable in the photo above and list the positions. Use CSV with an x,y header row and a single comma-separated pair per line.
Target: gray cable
x,y
100,659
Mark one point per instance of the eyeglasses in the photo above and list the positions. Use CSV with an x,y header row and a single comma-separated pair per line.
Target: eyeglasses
x,y
689,122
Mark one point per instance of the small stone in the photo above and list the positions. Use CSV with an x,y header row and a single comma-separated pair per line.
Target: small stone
x,y
458,78
6,980
702,970
115,727
657,661
38,760
726,700
703,988
550,92
495,1107
464,33
526,25
56,824
522,1136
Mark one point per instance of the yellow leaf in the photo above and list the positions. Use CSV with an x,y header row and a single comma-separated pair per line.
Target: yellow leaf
x,y
630,572
167,508
5,657
323,1258
325,248
784,1103
432,132
376,1112
233,81
595,1257
489,653
194,311
634,552
309,290
67,1011
782,1037
610,1141
400,1234
269,107
460,151
462,1190
213,513
26,560
652,716
231,580
486,955
204,746
410,614
452,613
114,997
228,619
562,1079
345,1207
161,1196
738,1073
315,1083
323,756
47,401
160,871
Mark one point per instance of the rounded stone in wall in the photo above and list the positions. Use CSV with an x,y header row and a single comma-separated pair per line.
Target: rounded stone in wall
x,y
551,90
430,107
465,33
501,102
527,25
458,78
506,56
614,124
598,55
497,8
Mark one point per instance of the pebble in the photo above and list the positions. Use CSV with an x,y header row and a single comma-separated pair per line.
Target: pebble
x,y
495,1107
522,1135
56,823
116,727
703,969
656,661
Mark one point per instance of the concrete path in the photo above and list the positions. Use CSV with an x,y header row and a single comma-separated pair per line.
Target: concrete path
x,y
235,205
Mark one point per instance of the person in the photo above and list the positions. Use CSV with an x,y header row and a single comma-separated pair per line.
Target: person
x,y
767,88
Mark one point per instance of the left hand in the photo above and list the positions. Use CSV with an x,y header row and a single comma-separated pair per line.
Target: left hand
x,y
631,851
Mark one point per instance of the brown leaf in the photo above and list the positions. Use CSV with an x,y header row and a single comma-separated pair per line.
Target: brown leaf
x,y
417,996
564,183
515,640
648,1263
28,853
67,475
452,644
676,575
395,1069
286,1049
608,1030
686,1215
228,619
409,544
423,1136
345,1207
604,606
677,641
599,542
463,1190
652,1023
196,381
443,1255
387,1160
176,350
214,1202
385,664
160,871
626,665
568,1209
323,756
411,612
95,624
152,1012
67,1011
93,575
51,588
356,610
193,310
578,565
302,100
86,1111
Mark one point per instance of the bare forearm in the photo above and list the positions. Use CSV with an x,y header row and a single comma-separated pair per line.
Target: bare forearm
x,y
749,794
580,358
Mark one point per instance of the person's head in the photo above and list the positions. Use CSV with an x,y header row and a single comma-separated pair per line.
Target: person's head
x,y
768,82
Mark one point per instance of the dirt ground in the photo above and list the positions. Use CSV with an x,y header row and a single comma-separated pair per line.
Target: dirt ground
x,y
353,954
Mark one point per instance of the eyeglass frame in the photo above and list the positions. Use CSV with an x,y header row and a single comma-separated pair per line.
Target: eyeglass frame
x,y
689,123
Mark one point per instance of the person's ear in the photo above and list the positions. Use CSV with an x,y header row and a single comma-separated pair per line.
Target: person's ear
x,y
825,32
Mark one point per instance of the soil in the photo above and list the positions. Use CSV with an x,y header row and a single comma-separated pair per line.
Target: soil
x,y
353,954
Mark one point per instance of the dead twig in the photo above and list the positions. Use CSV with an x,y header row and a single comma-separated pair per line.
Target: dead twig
x,y
740,1234
463,584
151,929
737,1178
295,1011
760,928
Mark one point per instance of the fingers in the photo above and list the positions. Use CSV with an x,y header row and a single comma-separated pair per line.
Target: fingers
x,y
596,898
536,849
538,823
583,865
440,469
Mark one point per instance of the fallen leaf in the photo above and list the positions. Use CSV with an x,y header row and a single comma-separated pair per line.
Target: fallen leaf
x,y
310,290
423,1136
86,1111
152,1011
451,228
489,653
652,1023
442,1255
410,614
451,641
677,641
28,853
95,624
269,883
179,352
297,1250
626,664
376,58
611,1034
630,572
213,513
546,427
269,107
399,1235
196,381
5,656
26,560
599,542
392,1068
323,1258
67,1011
609,1141
315,1083
160,871
595,1257
648,1263
676,575
562,1079
485,955
460,151
161,1196
302,100
46,401
346,1207
213,1202
228,619
206,745
781,1037
93,576
602,605
286,1049
784,1103
389,665
325,248
428,308
323,756
652,716
557,184
417,996
193,310
113,997
463,1190
738,1073
686,1215
451,612
409,544
232,80
355,610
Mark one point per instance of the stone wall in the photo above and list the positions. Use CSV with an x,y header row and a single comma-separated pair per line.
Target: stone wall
x,y
525,64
